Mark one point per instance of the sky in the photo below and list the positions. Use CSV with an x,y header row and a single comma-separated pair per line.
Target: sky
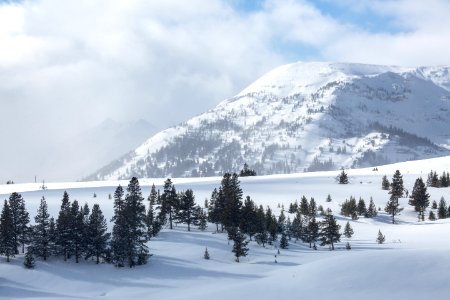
x,y
66,66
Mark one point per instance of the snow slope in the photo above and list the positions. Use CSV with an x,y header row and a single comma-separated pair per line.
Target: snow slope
x,y
412,264
306,116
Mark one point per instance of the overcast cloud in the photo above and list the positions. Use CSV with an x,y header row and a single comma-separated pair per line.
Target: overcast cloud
x,y
65,66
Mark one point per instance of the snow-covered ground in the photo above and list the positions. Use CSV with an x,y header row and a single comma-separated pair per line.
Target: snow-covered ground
x,y
414,263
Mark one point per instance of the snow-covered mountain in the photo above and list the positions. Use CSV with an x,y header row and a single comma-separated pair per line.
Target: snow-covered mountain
x,y
306,116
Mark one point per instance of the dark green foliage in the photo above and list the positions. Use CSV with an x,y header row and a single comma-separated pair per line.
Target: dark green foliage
x,y
312,208
432,216
281,222
40,241
385,185
153,197
434,205
297,227
396,192
185,209
284,243
361,208
347,246
380,238
232,194
247,172
304,206
240,245
442,209
53,235
311,233
420,198
329,231
29,259
215,207
349,207
76,231
271,226
248,223
329,198
21,220
348,230
169,201
372,210
262,236
201,218
63,228
97,235
8,244
206,254
343,178
293,207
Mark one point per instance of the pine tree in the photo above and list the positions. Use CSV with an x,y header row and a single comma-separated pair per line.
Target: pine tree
x,y
153,197
372,210
201,218
215,208
284,243
41,232
248,218
20,221
380,238
385,185
329,231
8,245
240,245
97,236
206,254
281,222
76,231
343,178
304,206
185,209
246,171
361,209
136,237
420,198
272,226
262,236
63,228
442,209
53,235
329,198
232,193
169,200
434,205
312,208
396,192
312,232
348,230
297,227
119,239
29,259
432,216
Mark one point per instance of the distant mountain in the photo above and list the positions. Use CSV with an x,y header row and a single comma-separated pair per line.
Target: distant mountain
x,y
306,117
97,146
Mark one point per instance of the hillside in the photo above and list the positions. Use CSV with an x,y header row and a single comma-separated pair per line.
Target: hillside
x,y
412,264
305,117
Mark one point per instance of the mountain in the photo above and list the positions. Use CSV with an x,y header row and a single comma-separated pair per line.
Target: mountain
x,y
306,117
94,147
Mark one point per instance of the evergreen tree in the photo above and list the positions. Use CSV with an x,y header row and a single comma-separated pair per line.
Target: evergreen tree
x,y
8,245
76,231
29,259
153,197
53,236
97,236
442,209
246,171
312,208
297,226
281,223
361,209
63,228
185,209
206,254
343,178
20,221
201,218
312,232
119,239
240,245
232,193
347,246
215,208
329,198
248,218
434,205
349,207
41,232
293,207
372,210
329,231
169,200
136,237
304,206
272,226
396,192
420,198
262,236
284,243
380,238
432,216
348,230
385,185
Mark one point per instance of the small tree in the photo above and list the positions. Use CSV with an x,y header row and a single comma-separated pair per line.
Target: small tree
x,y
329,198
420,198
380,238
246,171
385,185
29,259
432,216
343,178
329,231
347,246
348,230
284,243
206,254
442,209
8,245
362,210
240,245
434,205
372,210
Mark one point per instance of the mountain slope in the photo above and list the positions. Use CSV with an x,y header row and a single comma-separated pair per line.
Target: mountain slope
x,y
306,116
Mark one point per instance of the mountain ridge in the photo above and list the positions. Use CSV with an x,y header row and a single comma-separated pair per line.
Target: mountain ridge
x,y
306,117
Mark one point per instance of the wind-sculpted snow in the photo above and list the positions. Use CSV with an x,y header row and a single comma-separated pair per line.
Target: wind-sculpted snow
x,y
306,117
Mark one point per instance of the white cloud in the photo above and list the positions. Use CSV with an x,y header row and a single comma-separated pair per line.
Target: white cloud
x,y
66,65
